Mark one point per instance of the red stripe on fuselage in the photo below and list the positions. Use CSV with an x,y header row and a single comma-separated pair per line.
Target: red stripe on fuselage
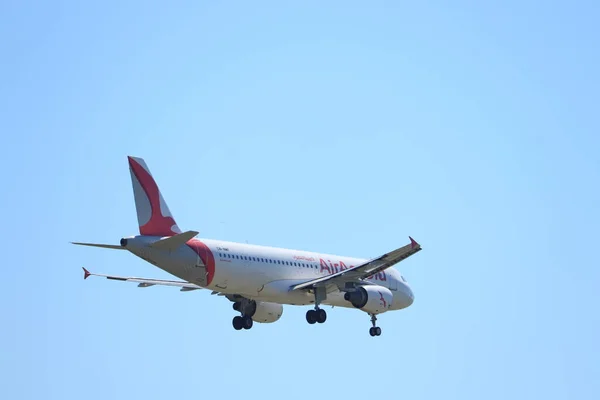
x,y
158,225
206,256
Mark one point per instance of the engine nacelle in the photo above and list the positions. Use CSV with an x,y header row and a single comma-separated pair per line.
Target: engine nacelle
x,y
373,299
267,312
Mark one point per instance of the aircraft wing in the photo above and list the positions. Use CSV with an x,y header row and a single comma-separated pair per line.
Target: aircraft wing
x,y
364,270
145,282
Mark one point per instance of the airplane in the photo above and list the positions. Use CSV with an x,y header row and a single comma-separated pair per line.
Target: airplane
x,y
258,280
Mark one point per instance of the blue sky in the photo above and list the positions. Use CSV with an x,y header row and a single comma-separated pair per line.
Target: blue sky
x,y
335,126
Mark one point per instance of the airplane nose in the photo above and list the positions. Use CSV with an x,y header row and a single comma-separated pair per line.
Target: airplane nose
x,y
409,296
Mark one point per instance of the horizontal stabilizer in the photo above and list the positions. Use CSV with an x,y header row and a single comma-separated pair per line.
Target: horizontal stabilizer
x,y
105,246
143,282
173,242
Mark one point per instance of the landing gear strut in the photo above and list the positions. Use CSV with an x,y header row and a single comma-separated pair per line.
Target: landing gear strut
x,y
247,308
318,314
374,330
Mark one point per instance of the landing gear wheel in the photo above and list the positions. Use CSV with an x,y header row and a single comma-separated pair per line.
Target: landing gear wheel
x,y
247,322
238,323
311,316
321,315
374,330
236,306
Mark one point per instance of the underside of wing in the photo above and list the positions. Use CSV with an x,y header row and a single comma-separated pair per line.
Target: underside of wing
x,y
364,270
145,282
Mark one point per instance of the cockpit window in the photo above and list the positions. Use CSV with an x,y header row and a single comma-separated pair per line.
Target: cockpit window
x,y
403,280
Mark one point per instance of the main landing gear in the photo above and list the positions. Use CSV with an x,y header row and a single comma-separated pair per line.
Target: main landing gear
x,y
374,330
247,308
317,315
244,322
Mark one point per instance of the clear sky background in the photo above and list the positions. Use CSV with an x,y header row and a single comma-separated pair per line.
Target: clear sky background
x,y
338,126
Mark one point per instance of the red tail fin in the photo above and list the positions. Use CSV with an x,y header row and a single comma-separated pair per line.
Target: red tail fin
x,y
154,217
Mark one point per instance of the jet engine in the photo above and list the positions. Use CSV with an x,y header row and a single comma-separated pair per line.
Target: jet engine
x,y
373,299
267,312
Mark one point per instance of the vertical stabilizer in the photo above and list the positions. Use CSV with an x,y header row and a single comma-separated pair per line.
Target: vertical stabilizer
x,y
154,217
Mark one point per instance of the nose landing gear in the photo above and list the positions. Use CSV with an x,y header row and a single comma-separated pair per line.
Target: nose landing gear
x,y
374,330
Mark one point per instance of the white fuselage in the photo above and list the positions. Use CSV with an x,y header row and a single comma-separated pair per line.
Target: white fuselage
x,y
260,273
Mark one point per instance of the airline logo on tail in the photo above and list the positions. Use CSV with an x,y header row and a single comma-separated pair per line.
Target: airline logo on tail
x,y
154,217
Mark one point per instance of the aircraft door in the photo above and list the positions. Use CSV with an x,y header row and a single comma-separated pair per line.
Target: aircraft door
x,y
199,270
